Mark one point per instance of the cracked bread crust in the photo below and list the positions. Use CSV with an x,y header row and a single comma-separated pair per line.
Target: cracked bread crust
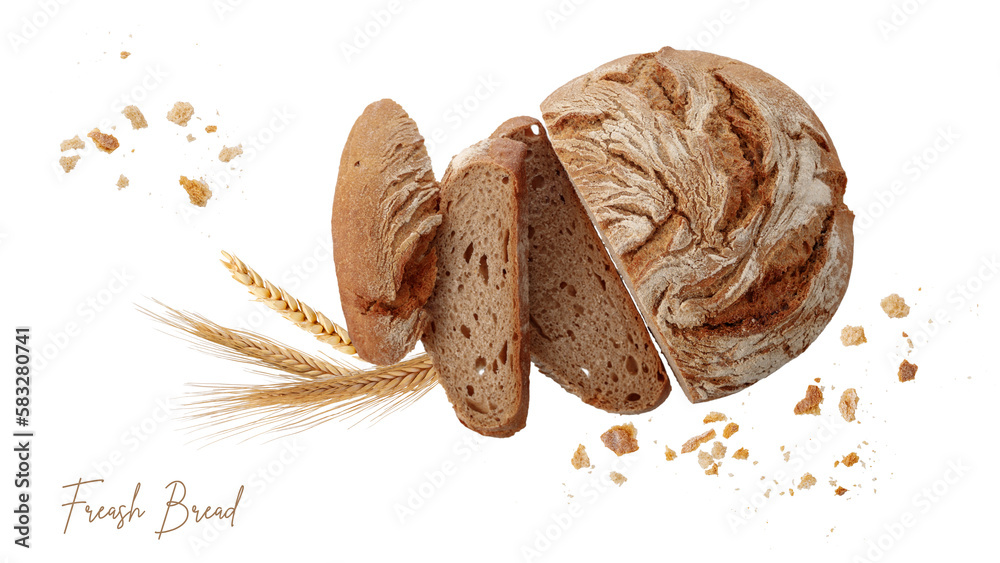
x,y
720,197
385,215
586,333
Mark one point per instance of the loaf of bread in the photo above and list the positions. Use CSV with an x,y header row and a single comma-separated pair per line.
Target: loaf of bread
x,y
477,336
720,197
385,214
586,333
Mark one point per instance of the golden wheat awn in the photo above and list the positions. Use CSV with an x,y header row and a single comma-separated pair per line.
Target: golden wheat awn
x,y
304,316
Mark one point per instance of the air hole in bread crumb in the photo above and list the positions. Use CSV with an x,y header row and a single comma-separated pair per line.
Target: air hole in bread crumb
x,y
506,180
578,309
466,332
356,164
535,130
631,365
614,377
506,244
503,354
470,390
484,269
571,291
632,397
468,253
461,286
480,365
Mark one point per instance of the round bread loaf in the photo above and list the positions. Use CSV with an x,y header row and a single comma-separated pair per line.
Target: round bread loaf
x,y
720,197
385,215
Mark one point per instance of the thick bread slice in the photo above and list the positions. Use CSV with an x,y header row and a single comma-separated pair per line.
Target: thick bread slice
x,y
721,198
385,214
586,332
478,330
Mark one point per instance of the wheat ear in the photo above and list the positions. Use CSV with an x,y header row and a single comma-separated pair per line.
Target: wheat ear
x,y
304,316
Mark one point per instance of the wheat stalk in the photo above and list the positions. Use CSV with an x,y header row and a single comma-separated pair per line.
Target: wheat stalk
x,y
304,316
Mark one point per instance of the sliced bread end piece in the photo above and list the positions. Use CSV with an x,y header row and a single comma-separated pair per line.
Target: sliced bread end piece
x,y
477,334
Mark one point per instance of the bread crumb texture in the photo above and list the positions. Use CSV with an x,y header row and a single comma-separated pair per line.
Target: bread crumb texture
x,y
75,143
122,182
580,458
181,113
106,143
848,404
617,478
671,454
211,128
705,459
730,429
853,335
807,481
229,153
714,470
621,439
197,190
135,116
840,491
810,404
741,453
714,417
850,459
190,137
694,443
907,371
895,306
68,162
125,54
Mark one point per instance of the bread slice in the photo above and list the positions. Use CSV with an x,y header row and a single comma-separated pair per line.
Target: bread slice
x,y
586,332
385,214
477,336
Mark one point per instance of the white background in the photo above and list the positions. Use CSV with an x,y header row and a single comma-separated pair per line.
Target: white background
x,y
895,82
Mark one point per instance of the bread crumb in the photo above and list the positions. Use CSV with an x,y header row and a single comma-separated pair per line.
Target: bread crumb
x,y
75,143
125,54
787,456
853,336
807,481
718,450
850,459
730,429
211,128
767,493
848,404
621,439
671,454
122,181
181,113
580,458
229,153
107,143
190,137
135,116
907,371
617,478
68,162
840,491
696,442
741,453
895,306
197,190
714,470
810,404
705,459
714,417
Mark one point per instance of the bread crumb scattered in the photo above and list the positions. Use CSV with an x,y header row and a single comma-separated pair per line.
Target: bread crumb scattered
x,y
907,371
848,404
580,458
787,456
853,336
714,470
741,453
181,113
197,190
229,153
122,182
617,478
75,143
714,417
621,439
190,137
696,442
850,459
840,491
705,459
810,404
730,429
211,128
767,493
125,54
718,450
106,143
135,116
807,481
68,162
895,306
671,454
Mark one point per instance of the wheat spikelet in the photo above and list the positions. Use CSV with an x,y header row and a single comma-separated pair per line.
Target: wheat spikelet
x,y
304,316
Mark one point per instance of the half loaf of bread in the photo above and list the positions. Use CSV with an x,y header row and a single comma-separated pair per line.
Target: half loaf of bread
x,y
477,336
